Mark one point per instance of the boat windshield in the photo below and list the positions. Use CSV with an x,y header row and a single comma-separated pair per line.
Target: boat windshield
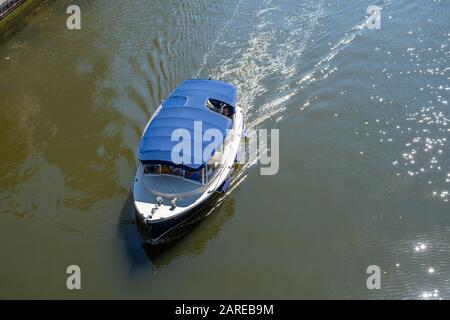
x,y
158,169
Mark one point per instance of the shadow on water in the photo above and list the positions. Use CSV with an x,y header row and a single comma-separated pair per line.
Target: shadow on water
x,y
193,242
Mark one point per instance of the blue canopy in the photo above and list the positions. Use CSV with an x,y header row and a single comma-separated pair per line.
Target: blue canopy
x,y
186,109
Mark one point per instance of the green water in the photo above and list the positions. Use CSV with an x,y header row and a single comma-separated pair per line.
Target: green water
x,y
364,152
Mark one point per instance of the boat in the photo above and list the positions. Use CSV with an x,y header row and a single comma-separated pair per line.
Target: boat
x,y
187,154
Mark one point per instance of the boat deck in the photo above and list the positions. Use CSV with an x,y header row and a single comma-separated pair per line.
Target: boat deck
x,y
170,185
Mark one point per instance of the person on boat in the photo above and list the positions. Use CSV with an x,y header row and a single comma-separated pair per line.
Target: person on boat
x,y
211,106
177,171
147,169
165,169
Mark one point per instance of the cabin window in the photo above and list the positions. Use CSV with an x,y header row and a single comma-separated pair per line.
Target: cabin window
x,y
172,170
220,107
197,176
158,169
176,171
152,169
211,171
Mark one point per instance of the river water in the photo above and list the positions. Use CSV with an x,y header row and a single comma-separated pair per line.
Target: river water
x,y
364,125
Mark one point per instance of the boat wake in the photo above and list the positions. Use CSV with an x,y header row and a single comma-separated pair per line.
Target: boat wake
x,y
265,50
268,68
